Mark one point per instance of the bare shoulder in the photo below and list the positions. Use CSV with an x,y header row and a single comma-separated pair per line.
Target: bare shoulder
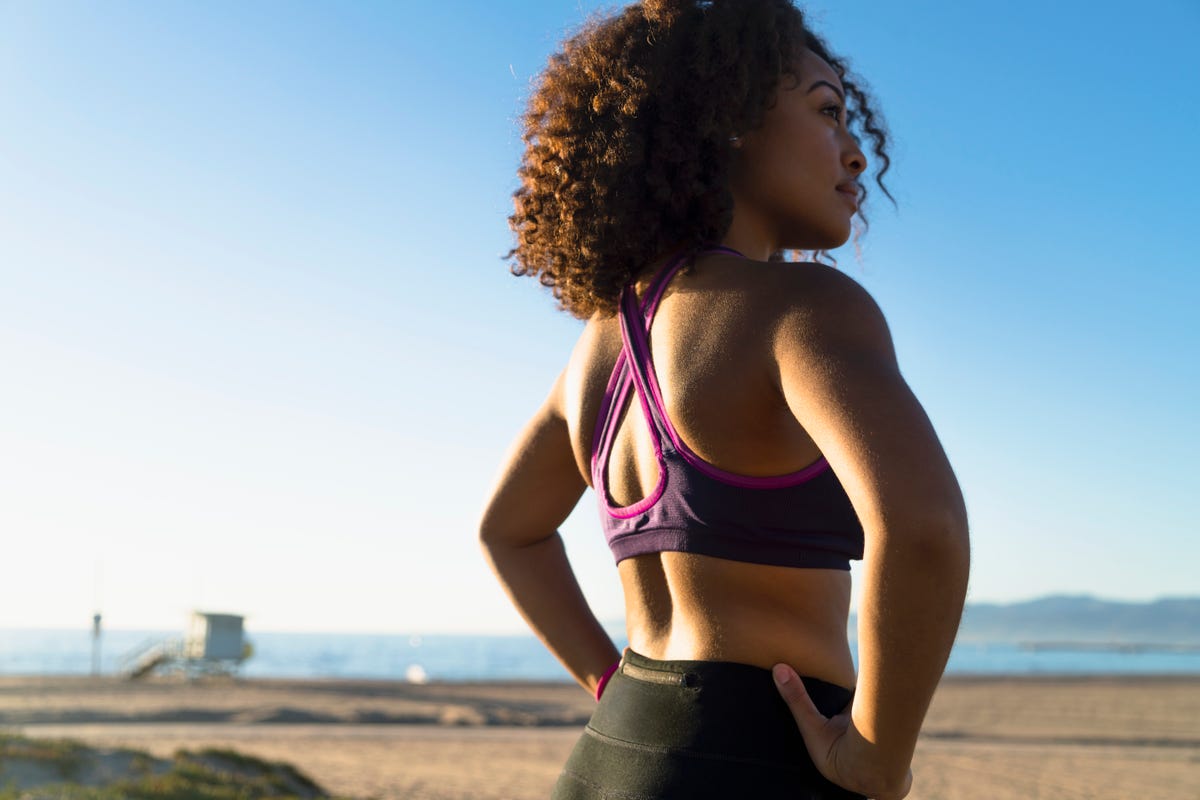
x,y
837,372
818,307
596,342
591,358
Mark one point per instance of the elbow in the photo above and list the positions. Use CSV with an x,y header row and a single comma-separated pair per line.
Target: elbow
x,y
938,537
492,545
492,529
941,524
488,533
945,532
494,536
944,546
948,529
489,536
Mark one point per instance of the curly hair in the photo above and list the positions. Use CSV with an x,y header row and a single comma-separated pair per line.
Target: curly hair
x,y
627,138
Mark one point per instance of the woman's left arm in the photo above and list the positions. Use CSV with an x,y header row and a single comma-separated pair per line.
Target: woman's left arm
x,y
538,486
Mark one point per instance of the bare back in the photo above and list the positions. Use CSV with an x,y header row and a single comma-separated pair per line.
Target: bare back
x,y
711,346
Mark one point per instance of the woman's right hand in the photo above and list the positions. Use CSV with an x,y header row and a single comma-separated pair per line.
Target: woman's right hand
x,y
837,749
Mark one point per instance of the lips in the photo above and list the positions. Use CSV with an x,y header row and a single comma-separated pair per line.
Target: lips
x,y
850,192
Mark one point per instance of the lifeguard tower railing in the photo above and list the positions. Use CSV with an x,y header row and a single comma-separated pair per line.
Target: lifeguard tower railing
x,y
215,644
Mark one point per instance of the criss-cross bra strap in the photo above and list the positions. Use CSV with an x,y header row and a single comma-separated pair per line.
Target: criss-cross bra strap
x,y
634,340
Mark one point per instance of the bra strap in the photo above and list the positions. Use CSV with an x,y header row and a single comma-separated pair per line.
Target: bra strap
x,y
619,381
658,285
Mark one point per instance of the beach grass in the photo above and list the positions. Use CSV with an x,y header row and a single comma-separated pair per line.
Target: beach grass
x,y
66,769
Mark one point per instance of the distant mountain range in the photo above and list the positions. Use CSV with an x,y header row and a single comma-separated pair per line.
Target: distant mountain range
x,y
1078,619
1082,618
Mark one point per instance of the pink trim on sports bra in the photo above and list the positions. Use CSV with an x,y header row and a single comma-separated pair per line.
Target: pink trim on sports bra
x,y
633,510
621,380
653,294
737,479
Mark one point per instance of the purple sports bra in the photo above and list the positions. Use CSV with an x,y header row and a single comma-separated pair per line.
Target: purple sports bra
x,y
802,519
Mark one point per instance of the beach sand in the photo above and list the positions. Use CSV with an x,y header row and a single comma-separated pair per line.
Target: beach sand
x,y
1118,738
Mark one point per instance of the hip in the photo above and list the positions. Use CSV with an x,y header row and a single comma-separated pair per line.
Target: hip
x,y
696,729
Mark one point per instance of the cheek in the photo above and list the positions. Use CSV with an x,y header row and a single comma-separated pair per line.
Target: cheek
x,y
790,161
799,151
791,172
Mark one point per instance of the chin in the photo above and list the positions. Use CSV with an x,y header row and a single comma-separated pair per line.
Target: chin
x,y
823,240
815,228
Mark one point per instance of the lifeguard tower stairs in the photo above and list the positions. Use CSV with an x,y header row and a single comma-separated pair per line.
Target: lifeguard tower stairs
x,y
215,644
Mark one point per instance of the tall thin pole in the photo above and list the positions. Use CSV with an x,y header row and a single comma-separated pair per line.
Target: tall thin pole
x,y
96,625
95,645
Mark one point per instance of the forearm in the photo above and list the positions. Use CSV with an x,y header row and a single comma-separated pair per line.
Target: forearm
x,y
909,612
539,581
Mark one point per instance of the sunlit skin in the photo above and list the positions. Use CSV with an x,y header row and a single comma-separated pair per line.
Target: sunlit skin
x,y
786,172
688,606
765,367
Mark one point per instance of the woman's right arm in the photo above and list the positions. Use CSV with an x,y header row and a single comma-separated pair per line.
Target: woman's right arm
x,y
839,376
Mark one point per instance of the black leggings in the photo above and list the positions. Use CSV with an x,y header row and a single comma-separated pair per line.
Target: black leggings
x,y
697,730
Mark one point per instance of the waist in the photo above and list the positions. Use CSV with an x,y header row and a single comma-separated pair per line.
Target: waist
x,y
718,710
689,607
828,658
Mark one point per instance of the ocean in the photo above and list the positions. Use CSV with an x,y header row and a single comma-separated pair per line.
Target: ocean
x,y
457,657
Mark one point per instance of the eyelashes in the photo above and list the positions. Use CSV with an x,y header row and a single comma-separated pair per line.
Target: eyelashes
x,y
836,109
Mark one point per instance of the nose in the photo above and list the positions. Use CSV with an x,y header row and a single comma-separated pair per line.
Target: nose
x,y
853,158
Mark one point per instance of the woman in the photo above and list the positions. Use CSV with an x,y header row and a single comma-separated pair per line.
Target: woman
x,y
674,151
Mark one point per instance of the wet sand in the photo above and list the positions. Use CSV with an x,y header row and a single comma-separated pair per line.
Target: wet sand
x,y
995,738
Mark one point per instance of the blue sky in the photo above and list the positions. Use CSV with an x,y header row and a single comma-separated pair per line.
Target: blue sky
x,y
261,353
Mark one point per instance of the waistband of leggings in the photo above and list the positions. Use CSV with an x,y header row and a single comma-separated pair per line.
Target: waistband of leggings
x,y
721,710
686,673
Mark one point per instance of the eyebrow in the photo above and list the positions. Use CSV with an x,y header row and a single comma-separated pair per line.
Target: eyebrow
x,y
837,91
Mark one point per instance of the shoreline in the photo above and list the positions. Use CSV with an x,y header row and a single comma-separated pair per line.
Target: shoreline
x,y
176,699
1102,737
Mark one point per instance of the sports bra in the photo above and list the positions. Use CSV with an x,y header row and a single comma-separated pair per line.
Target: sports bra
x,y
802,519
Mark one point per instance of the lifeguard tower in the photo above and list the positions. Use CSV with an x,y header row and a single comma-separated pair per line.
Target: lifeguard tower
x,y
215,637
215,644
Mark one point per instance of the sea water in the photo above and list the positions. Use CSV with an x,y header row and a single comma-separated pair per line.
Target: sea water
x,y
458,657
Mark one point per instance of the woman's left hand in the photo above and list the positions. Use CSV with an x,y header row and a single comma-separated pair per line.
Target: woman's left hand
x,y
838,750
